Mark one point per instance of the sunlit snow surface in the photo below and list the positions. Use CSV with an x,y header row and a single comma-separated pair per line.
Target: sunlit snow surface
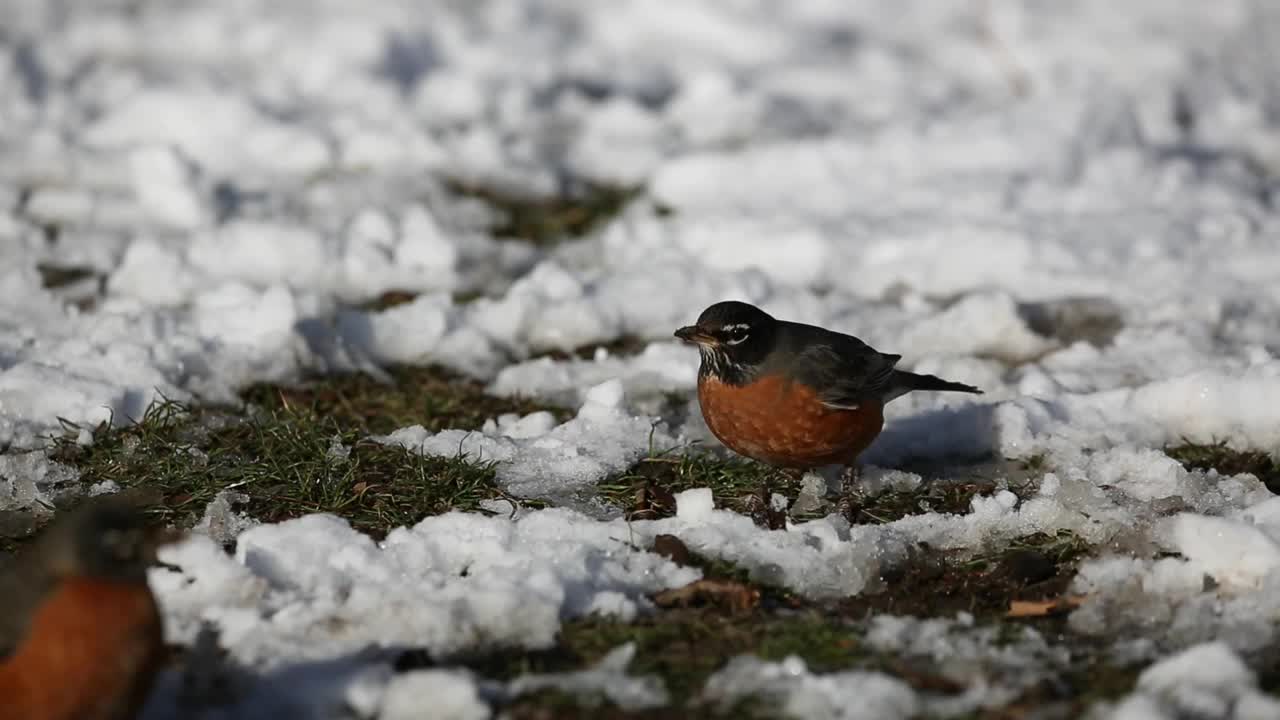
x,y
1068,204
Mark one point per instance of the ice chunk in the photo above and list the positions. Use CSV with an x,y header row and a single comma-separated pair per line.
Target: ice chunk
x,y
32,480
1236,554
694,505
163,188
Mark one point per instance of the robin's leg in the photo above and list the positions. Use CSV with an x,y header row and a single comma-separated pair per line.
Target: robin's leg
x,y
794,478
850,478
790,477
850,502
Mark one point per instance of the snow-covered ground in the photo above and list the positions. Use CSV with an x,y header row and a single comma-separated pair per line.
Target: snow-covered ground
x,y
1071,205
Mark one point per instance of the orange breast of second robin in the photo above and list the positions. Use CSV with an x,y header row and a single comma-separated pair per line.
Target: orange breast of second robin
x,y
91,652
782,422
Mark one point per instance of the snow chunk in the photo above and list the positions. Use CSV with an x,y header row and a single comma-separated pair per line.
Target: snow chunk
x,y
659,368
32,480
694,505
852,695
262,253
1207,680
450,694
979,324
424,249
221,132
313,588
162,186
1235,553
410,333
601,440
154,274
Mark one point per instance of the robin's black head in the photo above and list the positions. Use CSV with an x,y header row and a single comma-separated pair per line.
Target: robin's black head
x,y
105,539
734,339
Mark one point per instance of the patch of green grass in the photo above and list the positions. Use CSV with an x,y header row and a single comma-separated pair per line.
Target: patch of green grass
x,y
646,490
686,645
938,496
936,583
1217,456
545,221
394,298
558,705
1035,463
288,461
553,704
625,345
57,276
1091,678
466,297
429,396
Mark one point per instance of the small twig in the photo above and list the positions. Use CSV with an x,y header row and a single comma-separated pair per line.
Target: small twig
x,y
875,517
663,459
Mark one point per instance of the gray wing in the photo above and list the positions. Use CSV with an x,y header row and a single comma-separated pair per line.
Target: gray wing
x,y
845,371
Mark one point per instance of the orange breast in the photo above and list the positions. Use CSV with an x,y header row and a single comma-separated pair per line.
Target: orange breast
x,y
782,422
91,653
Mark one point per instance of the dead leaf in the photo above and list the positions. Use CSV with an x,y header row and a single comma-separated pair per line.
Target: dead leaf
x,y
652,501
672,548
1044,608
731,594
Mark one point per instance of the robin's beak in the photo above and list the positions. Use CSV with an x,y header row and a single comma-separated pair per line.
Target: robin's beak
x,y
691,334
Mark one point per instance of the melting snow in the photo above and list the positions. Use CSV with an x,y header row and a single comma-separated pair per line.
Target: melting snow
x,y
1070,205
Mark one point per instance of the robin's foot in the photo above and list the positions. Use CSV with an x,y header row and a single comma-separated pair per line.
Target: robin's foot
x,y
760,507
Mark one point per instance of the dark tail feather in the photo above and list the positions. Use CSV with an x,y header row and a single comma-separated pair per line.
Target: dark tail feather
x,y
904,382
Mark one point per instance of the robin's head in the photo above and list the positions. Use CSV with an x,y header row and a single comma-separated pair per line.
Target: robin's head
x,y
734,338
104,539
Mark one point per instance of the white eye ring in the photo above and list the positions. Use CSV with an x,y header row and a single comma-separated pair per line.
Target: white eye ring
x,y
738,339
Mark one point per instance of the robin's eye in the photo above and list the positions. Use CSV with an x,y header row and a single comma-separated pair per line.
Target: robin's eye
x,y
736,336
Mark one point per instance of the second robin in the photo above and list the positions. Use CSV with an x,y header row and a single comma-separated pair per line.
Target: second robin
x,y
81,637
793,395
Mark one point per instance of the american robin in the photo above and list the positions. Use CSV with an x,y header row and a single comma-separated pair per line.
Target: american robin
x,y
792,395
81,636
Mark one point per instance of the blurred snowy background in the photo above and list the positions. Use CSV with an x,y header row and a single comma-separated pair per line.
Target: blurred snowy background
x,y
1071,205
